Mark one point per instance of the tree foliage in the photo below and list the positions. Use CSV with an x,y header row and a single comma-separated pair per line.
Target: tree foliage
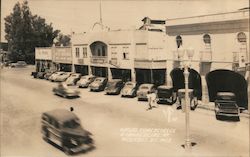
x,y
25,31
63,40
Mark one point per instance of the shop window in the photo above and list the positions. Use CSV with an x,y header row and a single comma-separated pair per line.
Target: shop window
x,y
77,52
178,41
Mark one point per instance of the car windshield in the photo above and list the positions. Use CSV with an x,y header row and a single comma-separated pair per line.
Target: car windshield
x,y
98,80
130,84
144,87
111,84
74,123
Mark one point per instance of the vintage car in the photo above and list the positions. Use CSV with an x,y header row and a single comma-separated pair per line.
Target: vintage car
x,y
18,64
72,79
85,81
228,90
129,89
114,86
165,95
98,84
63,77
40,75
55,75
48,74
65,91
194,85
63,128
145,89
34,74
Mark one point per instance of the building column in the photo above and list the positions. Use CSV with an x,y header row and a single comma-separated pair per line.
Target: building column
x,y
109,74
205,97
90,72
133,76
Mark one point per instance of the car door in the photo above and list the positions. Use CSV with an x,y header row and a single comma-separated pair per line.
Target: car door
x,y
54,132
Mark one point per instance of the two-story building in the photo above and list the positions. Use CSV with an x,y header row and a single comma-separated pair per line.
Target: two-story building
x,y
137,55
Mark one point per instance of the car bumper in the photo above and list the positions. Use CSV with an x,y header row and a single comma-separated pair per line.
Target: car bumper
x,y
81,148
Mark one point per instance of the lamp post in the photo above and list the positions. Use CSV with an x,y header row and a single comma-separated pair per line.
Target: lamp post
x,y
186,65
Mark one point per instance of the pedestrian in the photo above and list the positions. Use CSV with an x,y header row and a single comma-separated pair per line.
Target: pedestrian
x,y
71,109
152,100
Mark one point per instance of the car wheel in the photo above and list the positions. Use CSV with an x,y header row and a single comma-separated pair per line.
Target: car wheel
x,y
193,104
66,150
46,135
218,117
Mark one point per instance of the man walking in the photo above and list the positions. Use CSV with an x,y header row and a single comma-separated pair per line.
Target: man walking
x,y
151,100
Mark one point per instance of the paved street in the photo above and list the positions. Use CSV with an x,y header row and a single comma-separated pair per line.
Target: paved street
x,y
117,124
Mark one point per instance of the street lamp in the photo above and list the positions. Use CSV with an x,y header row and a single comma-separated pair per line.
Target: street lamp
x,y
186,65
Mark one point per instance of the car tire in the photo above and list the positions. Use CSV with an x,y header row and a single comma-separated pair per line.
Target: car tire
x,y
66,150
218,117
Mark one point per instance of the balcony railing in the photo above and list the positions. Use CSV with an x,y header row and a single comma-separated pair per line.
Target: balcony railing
x,y
206,56
99,59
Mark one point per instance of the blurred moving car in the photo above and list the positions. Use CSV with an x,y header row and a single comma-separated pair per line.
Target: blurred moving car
x,y
145,89
55,75
18,64
129,89
114,86
63,77
63,128
65,91
72,79
85,81
165,95
98,84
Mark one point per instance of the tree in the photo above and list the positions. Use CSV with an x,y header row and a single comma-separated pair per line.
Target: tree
x,y
63,40
25,31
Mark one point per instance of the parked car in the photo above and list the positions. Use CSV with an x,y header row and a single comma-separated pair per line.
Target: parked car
x,y
98,84
65,91
145,89
225,105
114,86
63,77
34,74
165,95
228,90
129,89
85,81
55,75
40,75
63,128
73,78
19,64
48,74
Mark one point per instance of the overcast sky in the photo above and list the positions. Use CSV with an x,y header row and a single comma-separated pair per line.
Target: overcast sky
x,y
80,15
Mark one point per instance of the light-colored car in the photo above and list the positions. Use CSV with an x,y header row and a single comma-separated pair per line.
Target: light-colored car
x,y
98,84
145,89
85,81
65,91
18,64
129,89
55,75
63,77
114,86
72,79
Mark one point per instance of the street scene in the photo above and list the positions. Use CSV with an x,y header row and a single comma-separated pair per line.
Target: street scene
x,y
119,125
124,78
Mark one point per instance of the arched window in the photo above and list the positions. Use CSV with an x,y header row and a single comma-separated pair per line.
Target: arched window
x,y
178,41
242,37
207,39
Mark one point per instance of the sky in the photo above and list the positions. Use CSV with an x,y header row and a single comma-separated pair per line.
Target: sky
x,y
80,15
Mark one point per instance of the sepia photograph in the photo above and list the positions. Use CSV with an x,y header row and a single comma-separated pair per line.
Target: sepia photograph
x,y
124,78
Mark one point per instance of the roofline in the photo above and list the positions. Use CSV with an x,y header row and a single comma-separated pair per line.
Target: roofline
x,y
247,10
